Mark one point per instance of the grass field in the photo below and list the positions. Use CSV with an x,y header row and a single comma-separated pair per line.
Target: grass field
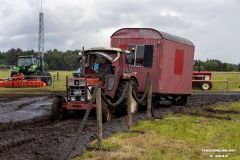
x,y
59,84
202,134
232,77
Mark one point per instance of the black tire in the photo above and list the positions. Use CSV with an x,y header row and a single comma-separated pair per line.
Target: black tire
x,y
184,99
174,101
106,112
48,80
155,104
181,101
121,109
206,85
36,74
57,113
135,90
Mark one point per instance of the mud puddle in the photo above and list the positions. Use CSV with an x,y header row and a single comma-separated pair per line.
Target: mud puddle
x,y
24,111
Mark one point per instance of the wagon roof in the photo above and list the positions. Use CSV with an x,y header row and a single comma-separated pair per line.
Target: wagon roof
x,y
100,49
149,33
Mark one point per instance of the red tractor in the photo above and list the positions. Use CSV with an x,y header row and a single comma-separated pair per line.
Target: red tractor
x,y
203,80
80,87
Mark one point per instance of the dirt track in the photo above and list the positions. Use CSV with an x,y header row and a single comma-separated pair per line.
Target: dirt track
x,y
26,131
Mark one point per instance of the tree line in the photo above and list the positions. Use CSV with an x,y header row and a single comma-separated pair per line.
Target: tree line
x,y
68,60
215,65
53,59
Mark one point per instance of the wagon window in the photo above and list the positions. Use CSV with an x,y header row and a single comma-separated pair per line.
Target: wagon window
x,y
148,56
137,55
142,56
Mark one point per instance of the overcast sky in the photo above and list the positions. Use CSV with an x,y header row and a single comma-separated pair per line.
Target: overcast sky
x,y
212,25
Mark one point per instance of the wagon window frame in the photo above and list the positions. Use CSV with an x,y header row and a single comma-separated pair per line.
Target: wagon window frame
x,y
142,56
138,54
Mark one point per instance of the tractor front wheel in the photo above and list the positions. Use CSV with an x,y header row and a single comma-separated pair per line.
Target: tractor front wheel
x,y
57,113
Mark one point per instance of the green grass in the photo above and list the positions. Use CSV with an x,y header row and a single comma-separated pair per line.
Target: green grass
x,y
230,76
178,136
4,73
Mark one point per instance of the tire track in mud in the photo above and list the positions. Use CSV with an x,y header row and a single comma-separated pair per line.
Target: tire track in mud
x,y
51,140
17,104
25,112
14,142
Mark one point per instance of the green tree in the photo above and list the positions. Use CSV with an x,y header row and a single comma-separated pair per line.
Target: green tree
x,y
46,66
198,65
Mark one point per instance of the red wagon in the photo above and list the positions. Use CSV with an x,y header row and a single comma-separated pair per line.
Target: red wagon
x,y
164,58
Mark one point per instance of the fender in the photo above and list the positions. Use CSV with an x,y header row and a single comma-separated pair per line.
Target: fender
x,y
32,68
112,82
15,69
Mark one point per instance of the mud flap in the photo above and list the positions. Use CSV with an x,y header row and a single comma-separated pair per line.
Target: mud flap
x,y
112,82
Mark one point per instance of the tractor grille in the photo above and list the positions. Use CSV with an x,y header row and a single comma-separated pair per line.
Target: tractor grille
x,y
77,93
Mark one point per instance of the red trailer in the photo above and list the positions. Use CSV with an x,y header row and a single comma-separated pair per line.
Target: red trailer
x,y
164,58
202,80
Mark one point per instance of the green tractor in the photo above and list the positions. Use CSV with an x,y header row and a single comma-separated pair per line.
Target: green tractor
x,y
31,67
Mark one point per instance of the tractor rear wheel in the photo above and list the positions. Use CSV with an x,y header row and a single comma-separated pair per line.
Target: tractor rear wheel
x,y
47,80
38,73
122,109
106,112
57,113
135,104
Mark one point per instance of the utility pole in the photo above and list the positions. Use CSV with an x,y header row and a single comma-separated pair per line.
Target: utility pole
x,y
41,37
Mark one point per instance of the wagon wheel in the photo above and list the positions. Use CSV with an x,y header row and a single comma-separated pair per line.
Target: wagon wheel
x,y
184,100
155,104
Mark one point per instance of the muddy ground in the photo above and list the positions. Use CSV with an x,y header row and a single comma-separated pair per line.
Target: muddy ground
x,y
26,131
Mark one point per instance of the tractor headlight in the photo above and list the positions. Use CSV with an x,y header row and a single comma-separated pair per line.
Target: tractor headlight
x,y
82,98
89,94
